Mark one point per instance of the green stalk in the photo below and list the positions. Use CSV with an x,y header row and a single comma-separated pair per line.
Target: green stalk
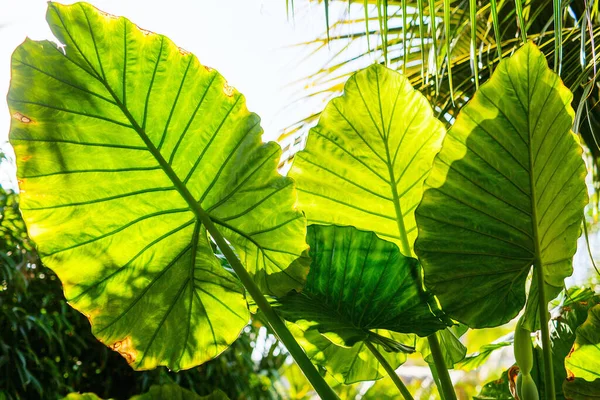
x,y
422,37
405,249
286,337
433,43
494,12
521,19
448,46
440,365
436,380
278,326
404,27
390,371
547,347
557,7
473,16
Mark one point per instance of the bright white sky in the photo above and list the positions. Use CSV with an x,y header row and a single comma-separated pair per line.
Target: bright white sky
x,y
250,42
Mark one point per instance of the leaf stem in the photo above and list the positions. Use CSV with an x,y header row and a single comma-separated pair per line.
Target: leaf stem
x,y
406,250
390,371
547,347
440,366
436,380
278,326
286,337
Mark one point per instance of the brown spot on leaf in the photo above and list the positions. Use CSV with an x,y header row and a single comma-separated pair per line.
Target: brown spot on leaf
x,y
26,158
228,90
23,118
145,31
125,348
184,51
107,15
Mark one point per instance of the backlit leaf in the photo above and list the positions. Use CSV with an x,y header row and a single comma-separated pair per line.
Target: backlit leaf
x,y
506,191
365,162
122,139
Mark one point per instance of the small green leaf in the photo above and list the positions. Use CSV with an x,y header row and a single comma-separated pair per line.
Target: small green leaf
x,y
354,364
584,359
479,358
506,191
122,141
453,350
358,283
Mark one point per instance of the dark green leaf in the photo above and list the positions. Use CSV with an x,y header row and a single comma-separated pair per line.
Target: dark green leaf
x,y
358,283
580,389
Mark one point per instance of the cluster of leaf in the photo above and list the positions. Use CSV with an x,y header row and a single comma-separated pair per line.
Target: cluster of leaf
x,y
134,160
575,353
48,350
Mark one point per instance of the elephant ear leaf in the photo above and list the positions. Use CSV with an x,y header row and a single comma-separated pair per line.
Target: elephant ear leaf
x,y
365,162
584,359
123,141
357,283
506,193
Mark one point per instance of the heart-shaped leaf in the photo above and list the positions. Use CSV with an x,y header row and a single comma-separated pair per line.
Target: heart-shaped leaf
x,y
123,140
365,162
359,288
506,192
357,283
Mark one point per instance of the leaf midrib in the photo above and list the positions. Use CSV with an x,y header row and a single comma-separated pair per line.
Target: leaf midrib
x,y
181,188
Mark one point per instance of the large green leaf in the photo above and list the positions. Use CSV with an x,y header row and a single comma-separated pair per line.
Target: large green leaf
x,y
122,139
359,282
359,288
584,359
365,162
506,192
